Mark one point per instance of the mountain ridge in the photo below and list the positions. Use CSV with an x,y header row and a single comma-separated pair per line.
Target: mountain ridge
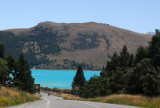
x,y
65,45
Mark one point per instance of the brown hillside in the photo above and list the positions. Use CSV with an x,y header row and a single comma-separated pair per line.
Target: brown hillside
x,y
83,42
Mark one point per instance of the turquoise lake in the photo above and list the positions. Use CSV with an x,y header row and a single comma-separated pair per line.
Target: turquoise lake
x,y
58,78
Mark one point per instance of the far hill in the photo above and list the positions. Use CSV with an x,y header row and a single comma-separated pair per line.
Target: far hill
x,y
51,45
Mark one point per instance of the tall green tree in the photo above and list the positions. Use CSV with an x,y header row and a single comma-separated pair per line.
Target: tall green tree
x,y
4,76
24,76
131,60
154,49
2,51
11,64
79,78
141,53
113,63
124,57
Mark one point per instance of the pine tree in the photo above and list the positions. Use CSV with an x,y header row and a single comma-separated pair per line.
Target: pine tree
x,y
141,53
16,76
124,57
24,76
11,64
3,71
2,51
154,49
79,78
114,62
131,60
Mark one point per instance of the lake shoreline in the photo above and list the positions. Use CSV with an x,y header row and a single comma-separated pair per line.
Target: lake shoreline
x,y
64,70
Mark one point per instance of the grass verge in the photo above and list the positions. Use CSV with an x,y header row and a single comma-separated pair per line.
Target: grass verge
x,y
12,96
122,99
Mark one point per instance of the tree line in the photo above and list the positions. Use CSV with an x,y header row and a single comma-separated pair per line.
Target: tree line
x,y
126,73
15,72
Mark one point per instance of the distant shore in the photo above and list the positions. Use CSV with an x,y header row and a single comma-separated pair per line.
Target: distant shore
x,y
64,69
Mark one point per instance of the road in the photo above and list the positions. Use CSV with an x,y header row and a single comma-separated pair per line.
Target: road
x,y
58,102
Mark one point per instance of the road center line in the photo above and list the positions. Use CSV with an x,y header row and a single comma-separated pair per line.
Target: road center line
x,y
89,104
47,101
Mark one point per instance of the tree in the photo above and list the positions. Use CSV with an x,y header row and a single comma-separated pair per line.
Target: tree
x,y
3,71
114,62
131,60
11,64
92,88
124,57
2,51
79,78
144,79
25,79
141,53
154,49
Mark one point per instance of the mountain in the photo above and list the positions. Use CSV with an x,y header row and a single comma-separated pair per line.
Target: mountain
x,y
51,45
151,33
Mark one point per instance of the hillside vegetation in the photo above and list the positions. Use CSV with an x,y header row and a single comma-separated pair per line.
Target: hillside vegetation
x,y
15,76
13,96
51,45
126,73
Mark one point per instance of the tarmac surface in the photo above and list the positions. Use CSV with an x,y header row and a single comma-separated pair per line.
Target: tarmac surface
x,y
50,101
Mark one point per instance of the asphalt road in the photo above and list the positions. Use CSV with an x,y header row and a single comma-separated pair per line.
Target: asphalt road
x,y
57,102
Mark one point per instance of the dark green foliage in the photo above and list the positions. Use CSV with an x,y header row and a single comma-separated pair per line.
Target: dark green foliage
x,y
141,53
144,79
2,51
79,78
15,73
11,63
131,61
83,43
42,40
48,42
24,76
154,49
126,74
91,88
11,42
124,57
114,62
3,71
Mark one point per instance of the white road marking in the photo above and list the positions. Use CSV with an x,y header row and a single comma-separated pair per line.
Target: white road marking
x,y
88,104
47,101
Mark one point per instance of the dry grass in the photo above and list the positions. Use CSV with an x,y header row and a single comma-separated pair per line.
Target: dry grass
x,y
134,100
11,96
123,99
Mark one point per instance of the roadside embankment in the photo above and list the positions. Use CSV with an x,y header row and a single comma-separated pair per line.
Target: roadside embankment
x,y
12,96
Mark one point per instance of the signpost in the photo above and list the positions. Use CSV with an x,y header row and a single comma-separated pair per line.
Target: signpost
x,y
76,89
37,88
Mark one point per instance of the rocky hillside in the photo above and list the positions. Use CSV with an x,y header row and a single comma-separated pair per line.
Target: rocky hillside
x,y
51,45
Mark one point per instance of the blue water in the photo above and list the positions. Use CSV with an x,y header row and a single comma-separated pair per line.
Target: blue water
x,y
58,78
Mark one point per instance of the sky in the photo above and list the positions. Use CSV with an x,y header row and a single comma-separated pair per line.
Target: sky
x,y
141,16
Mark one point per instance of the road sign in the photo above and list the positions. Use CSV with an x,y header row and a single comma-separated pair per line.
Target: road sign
x,y
76,89
36,88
